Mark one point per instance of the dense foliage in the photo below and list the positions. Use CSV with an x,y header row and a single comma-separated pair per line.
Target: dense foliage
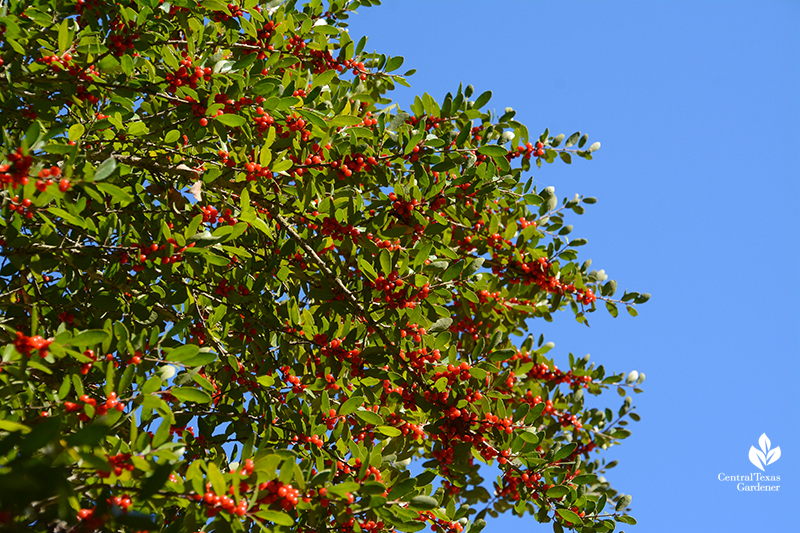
x,y
241,291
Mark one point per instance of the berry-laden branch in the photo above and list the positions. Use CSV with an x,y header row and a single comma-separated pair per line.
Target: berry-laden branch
x,y
345,288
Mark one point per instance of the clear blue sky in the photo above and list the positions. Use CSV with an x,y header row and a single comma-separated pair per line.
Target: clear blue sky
x,y
697,107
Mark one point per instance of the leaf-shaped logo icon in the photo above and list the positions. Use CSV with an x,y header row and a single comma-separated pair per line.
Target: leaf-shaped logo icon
x,y
763,441
773,455
765,456
757,457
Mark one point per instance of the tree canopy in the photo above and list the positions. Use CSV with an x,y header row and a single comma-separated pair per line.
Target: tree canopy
x,y
242,290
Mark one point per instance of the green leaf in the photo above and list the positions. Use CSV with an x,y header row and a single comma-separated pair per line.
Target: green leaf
x,y
189,394
386,262
244,62
233,121
564,452
63,37
215,5
372,487
136,521
473,266
90,337
127,64
423,503
120,195
90,435
492,150
558,491
351,405
187,351
216,479
482,100
623,502
8,425
276,517
324,78
394,63
105,169
477,526
389,431
572,139
201,359
478,373
345,120
282,166
502,355
154,483
626,519
443,324
569,516
69,218
410,527
172,136
369,417
76,132
42,19
530,435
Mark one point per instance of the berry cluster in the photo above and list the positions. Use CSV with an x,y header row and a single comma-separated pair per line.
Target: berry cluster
x,y
454,373
440,524
335,350
512,479
280,494
263,120
119,463
402,209
413,331
543,372
368,121
527,151
430,122
89,520
216,503
22,207
123,37
468,325
334,229
418,359
352,163
186,75
538,273
16,173
112,402
212,216
395,296
407,428
358,68
123,502
384,243
86,367
25,345
235,11
263,35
